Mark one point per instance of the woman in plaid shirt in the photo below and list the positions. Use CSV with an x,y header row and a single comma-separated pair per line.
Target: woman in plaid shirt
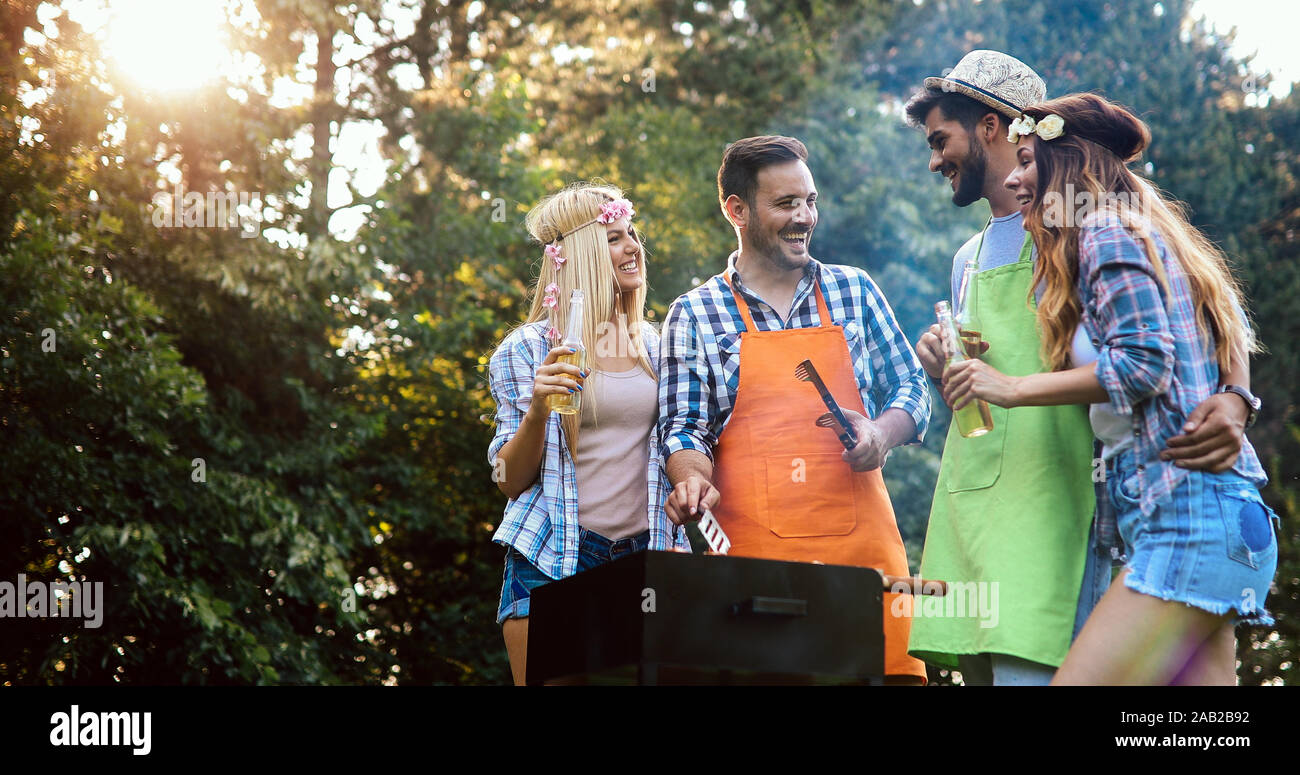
x,y
583,488
1142,319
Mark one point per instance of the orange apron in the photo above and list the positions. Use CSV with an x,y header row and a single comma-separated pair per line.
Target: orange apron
x,y
786,493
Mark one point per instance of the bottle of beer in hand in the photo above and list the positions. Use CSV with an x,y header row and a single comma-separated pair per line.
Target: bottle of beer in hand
x,y
570,403
974,419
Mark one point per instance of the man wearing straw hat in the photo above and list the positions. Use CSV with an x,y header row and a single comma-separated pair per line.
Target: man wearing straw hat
x,y
1013,509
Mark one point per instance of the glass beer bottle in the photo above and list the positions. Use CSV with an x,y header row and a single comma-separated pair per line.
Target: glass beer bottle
x,y
962,313
974,419
570,403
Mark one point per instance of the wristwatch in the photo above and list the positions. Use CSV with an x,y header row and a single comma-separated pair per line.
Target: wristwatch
x,y
1252,401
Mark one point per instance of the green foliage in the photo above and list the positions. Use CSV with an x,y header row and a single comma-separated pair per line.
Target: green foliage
x,y
336,390
212,574
167,434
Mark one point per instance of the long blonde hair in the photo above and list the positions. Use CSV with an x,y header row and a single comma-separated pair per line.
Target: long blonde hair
x,y
587,267
1100,137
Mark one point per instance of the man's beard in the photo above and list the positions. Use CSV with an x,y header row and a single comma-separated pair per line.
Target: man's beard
x,y
772,249
971,187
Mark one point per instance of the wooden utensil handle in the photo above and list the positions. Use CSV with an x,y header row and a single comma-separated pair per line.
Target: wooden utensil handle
x,y
914,585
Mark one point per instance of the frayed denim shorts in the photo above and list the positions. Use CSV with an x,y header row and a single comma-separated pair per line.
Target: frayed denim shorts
x,y
521,577
1211,544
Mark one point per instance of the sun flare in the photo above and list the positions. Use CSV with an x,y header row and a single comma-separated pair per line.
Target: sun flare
x,y
165,45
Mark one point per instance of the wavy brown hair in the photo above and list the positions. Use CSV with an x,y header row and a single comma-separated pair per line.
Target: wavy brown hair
x,y
1100,138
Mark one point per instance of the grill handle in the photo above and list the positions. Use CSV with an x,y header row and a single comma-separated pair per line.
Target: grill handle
x,y
770,606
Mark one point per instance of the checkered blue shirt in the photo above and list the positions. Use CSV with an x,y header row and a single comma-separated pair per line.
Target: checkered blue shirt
x,y
699,367
542,523
1151,361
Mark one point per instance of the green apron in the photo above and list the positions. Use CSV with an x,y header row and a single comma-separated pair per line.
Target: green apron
x,y
1011,507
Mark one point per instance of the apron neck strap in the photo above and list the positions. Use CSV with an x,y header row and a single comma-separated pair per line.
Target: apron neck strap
x,y
980,247
823,312
1027,249
1026,257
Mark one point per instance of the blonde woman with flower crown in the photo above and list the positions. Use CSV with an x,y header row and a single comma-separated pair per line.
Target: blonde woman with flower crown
x,y
583,488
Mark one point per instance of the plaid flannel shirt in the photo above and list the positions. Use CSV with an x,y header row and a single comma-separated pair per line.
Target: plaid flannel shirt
x,y
542,522
699,366
1151,361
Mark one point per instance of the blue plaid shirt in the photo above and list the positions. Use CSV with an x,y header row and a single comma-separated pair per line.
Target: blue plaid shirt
x,y
699,367
542,523
1151,361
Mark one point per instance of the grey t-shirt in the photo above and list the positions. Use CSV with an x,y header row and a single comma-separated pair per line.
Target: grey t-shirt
x,y
1002,242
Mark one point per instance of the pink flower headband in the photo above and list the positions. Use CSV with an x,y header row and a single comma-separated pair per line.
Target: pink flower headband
x,y
549,302
614,210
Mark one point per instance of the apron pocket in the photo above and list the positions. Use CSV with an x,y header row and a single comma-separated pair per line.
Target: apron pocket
x,y
976,463
809,495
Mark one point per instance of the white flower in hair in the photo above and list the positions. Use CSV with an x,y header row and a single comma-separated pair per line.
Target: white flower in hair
x,y
1051,127
1048,127
1021,126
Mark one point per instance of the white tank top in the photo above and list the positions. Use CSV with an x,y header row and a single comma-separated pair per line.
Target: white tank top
x,y
1114,430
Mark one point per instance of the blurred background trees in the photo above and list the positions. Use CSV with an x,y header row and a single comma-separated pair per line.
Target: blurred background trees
x,y
272,448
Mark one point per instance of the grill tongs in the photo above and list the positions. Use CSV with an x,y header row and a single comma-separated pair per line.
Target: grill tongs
x,y
835,418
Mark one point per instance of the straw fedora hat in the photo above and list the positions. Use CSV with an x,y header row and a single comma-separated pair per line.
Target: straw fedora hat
x,y
998,80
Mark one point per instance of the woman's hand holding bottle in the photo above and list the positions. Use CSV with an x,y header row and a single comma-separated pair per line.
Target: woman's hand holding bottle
x,y
555,378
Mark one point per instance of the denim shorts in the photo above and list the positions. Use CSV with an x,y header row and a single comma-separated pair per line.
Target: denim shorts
x,y
1211,543
522,577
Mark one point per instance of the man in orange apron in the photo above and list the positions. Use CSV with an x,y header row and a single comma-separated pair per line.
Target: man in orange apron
x,y
739,429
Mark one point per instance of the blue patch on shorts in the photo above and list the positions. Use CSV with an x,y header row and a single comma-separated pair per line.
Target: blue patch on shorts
x,y
1210,544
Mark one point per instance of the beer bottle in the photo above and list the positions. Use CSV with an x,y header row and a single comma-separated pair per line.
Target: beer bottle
x,y
570,403
974,419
